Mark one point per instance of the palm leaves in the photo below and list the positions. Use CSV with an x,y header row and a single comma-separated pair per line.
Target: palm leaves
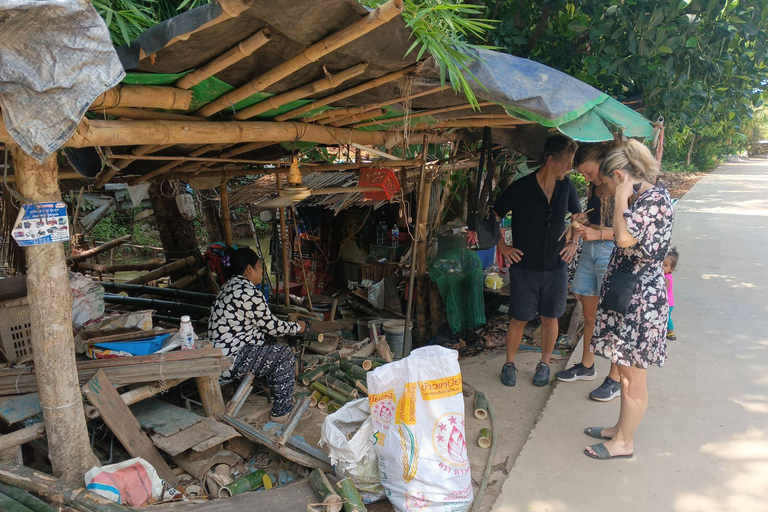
x,y
443,28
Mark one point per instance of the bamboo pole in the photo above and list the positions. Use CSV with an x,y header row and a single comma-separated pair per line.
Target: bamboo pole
x,y
469,123
284,240
366,24
376,106
143,96
22,436
243,49
109,172
97,132
73,175
25,498
408,340
145,115
172,165
423,113
335,112
162,271
324,84
372,84
165,158
230,9
324,491
225,216
50,315
98,250
355,118
232,151
421,264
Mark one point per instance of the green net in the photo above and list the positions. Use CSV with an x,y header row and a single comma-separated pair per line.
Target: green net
x,y
458,274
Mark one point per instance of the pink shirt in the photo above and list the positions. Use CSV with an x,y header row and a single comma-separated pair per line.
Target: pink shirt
x,y
670,289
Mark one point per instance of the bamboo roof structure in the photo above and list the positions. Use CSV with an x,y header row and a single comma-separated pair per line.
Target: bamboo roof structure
x,y
230,86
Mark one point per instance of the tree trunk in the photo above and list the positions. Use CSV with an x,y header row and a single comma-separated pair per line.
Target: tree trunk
x,y
211,217
50,311
690,150
176,233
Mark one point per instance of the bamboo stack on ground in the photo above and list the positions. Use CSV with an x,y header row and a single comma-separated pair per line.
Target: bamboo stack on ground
x,y
162,271
348,492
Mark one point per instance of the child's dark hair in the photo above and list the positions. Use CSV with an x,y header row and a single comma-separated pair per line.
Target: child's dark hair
x,y
236,261
674,255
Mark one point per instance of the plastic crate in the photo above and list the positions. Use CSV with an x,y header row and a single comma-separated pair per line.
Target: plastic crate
x,y
384,178
16,331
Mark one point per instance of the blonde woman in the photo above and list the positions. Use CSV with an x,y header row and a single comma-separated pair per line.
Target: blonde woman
x,y
631,322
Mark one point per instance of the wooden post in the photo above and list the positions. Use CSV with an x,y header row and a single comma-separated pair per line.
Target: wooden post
x,y
50,313
408,341
210,396
284,243
225,217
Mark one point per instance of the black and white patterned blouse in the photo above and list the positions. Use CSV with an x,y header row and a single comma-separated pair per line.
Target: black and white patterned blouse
x,y
241,316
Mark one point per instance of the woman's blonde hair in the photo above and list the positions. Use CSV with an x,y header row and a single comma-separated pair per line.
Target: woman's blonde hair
x,y
634,158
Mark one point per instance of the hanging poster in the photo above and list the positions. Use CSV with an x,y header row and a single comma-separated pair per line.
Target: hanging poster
x,y
41,223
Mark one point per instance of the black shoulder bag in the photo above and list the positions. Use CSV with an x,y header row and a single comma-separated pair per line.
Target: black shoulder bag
x,y
620,288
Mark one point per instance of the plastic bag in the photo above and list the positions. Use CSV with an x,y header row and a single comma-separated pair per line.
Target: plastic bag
x,y
87,299
417,411
459,277
354,456
133,482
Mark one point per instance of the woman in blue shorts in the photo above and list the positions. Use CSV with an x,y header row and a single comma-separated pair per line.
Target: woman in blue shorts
x,y
597,235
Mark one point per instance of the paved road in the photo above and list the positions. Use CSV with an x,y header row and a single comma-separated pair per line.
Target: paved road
x,y
703,446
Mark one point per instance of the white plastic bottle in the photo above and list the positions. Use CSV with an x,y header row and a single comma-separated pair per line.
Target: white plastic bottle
x,y
187,333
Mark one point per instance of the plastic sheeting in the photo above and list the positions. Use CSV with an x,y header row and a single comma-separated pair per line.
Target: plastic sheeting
x,y
56,57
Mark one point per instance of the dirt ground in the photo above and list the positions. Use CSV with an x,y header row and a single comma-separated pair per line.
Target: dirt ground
x,y
679,183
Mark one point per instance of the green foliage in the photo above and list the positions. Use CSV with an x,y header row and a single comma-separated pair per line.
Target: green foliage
x,y
126,19
445,29
114,225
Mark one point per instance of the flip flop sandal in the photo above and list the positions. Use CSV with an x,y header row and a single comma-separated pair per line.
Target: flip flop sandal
x,y
603,453
596,432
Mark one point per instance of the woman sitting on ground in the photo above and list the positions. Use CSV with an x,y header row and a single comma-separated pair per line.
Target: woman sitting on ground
x,y
240,323
642,225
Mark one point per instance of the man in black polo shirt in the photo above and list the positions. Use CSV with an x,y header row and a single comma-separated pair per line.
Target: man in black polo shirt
x,y
538,277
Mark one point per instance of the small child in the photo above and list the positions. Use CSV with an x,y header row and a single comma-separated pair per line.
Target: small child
x,y
670,262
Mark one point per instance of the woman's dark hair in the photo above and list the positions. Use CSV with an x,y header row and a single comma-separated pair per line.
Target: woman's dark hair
x,y
674,255
235,262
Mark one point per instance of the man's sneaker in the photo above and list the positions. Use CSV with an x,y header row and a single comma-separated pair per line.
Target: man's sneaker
x,y
541,378
577,372
671,335
607,391
508,377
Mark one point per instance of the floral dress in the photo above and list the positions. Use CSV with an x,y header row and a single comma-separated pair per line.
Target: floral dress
x,y
639,338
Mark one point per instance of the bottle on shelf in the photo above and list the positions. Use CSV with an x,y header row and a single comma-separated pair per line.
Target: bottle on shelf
x,y
395,235
187,333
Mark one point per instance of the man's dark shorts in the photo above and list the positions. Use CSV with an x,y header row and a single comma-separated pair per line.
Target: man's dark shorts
x,y
542,291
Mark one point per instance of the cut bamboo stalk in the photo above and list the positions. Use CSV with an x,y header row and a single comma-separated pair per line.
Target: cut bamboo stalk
x,y
481,406
322,404
348,492
143,96
225,215
385,352
310,376
162,271
361,385
243,49
324,84
355,118
416,115
325,390
31,502
333,407
240,394
187,280
339,386
366,351
372,84
230,9
484,441
375,151
324,491
366,24
238,150
293,421
98,132
314,398
469,123
109,172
